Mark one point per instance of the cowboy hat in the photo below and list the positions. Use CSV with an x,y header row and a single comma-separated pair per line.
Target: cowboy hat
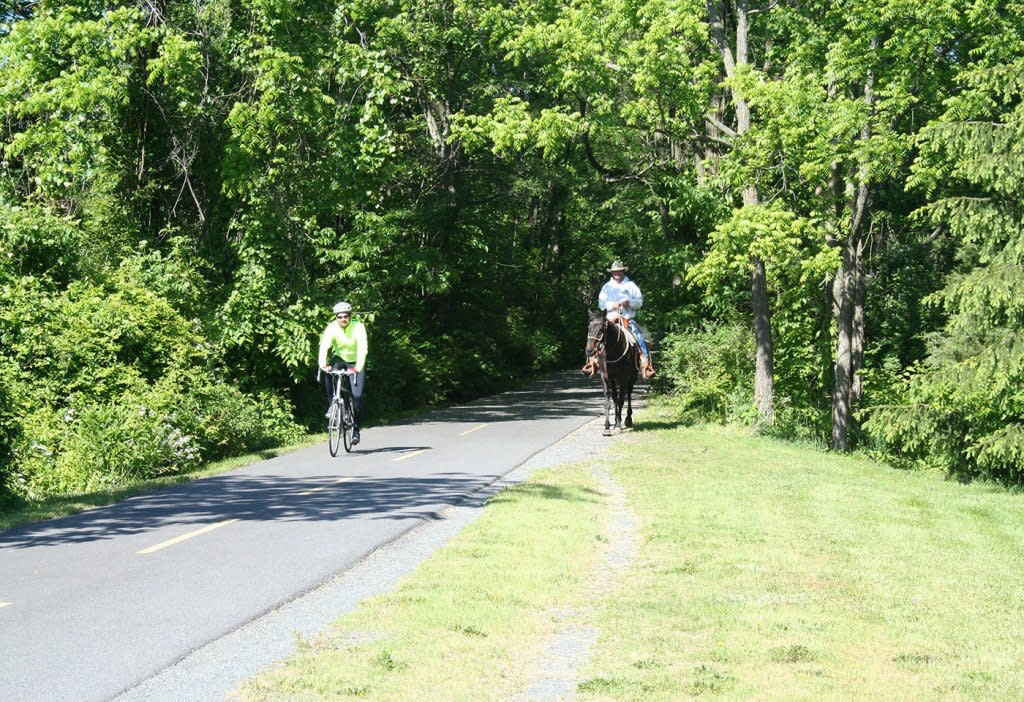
x,y
617,266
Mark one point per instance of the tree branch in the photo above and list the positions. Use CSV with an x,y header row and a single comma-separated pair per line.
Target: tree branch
x,y
717,26
935,234
720,126
603,170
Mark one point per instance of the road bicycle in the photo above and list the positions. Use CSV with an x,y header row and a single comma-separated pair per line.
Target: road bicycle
x,y
341,417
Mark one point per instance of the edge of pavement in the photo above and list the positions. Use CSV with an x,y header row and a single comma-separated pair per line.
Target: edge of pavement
x,y
214,670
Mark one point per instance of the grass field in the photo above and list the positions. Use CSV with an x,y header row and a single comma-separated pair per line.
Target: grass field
x,y
765,571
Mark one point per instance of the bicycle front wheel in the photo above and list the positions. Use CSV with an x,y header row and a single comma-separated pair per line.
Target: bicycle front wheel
x,y
334,428
348,424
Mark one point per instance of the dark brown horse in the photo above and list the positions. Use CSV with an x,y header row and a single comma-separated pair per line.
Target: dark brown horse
x,y
610,353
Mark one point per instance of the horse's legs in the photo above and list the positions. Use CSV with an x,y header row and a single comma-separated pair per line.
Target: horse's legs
x,y
615,388
607,426
629,406
619,392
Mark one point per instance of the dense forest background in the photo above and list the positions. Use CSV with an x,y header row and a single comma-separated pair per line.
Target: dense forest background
x,y
822,201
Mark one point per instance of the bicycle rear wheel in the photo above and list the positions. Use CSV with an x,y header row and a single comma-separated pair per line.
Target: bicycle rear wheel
x,y
334,429
348,424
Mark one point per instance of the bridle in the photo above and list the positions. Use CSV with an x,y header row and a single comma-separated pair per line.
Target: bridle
x,y
598,339
599,346
593,352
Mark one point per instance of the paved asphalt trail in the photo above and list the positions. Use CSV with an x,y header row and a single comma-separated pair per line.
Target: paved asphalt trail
x,y
94,604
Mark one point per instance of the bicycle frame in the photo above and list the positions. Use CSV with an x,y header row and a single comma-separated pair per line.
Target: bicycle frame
x,y
340,415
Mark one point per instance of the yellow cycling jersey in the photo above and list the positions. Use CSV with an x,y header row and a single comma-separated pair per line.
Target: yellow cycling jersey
x,y
349,343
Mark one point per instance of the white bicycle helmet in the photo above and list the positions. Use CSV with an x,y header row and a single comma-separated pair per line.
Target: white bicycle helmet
x,y
341,307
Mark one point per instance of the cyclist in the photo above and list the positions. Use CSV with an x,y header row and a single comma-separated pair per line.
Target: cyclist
x,y
342,346
620,298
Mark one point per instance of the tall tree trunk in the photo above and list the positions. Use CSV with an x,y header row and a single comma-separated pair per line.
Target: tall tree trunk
x,y
843,300
764,379
437,113
857,347
848,288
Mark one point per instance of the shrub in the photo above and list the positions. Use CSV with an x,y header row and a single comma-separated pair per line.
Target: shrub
x,y
122,442
32,473
709,373
121,389
9,425
165,429
226,422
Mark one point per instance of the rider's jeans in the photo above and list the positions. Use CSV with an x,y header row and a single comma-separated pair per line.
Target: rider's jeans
x,y
633,327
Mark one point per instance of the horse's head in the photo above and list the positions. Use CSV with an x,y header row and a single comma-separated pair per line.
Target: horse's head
x,y
595,341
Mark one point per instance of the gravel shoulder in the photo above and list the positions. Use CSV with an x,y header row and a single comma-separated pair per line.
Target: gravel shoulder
x,y
554,674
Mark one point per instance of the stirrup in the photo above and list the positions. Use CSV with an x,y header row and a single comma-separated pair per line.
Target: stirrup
x,y
646,368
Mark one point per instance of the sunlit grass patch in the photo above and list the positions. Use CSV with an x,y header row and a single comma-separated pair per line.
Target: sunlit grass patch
x,y
765,571
770,571
466,624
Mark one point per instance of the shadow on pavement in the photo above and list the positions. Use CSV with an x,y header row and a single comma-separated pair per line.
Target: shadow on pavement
x,y
564,395
259,498
246,496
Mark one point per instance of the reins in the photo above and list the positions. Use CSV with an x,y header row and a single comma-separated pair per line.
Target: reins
x,y
601,346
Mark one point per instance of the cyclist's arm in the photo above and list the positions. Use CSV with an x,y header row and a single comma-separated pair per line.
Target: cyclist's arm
x,y
361,349
325,345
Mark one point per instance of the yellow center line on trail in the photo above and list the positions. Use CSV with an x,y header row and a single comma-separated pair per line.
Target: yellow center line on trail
x,y
184,537
476,428
410,455
324,487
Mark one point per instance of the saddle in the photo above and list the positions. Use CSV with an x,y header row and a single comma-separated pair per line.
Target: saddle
x,y
630,336
631,341
646,370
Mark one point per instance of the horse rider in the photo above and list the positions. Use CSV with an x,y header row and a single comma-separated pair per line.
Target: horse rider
x,y
342,346
620,298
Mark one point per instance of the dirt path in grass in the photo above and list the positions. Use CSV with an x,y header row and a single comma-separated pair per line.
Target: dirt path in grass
x,y
555,673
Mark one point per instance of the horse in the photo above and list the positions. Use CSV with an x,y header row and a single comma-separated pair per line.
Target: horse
x,y
610,352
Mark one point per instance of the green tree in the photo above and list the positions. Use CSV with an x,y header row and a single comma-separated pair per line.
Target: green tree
x,y
739,73
835,101
961,408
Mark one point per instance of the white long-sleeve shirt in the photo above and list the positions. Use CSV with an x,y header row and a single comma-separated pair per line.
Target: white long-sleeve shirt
x,y
614,292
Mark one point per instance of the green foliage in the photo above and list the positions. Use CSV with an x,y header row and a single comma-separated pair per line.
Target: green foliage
x,y
219,420
11,408
106,384
167,428
797,259
37,242
962,408
185,189
110,445
709,373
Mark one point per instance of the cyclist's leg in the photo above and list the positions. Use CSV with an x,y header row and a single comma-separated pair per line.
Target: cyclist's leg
x,y
328,382
358,383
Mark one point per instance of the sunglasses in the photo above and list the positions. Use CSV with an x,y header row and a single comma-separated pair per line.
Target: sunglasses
x,y
343,315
